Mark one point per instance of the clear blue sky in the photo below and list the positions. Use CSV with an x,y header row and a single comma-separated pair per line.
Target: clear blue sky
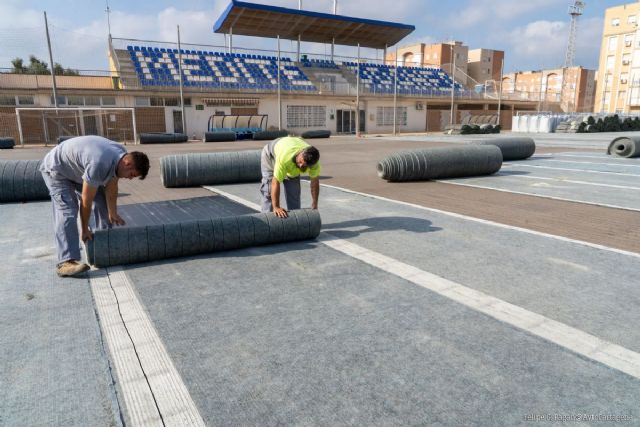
x,y
533,33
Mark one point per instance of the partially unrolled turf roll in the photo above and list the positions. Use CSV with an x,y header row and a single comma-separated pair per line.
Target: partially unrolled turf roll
x,y
119,246
7,143
219,136
517,148
441,162
21,181
193,169
625,146
162,138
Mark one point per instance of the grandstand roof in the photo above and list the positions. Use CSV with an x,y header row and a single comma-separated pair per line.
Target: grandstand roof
x,y
250,19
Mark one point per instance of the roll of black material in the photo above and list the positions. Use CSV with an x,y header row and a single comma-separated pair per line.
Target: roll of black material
x,y
440,162
270,134
131,245
312,134
625,146
7,143
162,138
219,136
516,148
194,169
21,181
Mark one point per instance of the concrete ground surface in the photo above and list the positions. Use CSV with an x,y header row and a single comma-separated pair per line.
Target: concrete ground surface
x,y
510,299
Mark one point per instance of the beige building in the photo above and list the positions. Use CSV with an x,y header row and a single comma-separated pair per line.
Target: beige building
x,y
434,55
618,87
569,89
485,65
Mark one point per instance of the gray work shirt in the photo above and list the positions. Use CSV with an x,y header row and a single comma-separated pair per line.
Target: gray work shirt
x,y
93,159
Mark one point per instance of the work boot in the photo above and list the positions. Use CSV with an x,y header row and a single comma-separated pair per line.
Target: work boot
x,y
71,268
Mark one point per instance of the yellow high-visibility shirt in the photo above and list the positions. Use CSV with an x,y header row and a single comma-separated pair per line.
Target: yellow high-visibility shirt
x,y
285,151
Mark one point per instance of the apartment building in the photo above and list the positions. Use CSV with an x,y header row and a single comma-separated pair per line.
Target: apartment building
x,y
618,86
485,65
571,89
435,55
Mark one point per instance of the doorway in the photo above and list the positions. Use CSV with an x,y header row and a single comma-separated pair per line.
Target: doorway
x,y
177,121
346,121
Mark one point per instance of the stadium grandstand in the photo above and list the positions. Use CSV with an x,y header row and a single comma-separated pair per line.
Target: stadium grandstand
x,y
155,86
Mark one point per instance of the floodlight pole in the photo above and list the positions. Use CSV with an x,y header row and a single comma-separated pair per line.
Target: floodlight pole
x,y
358,95
53,74
500,93
279,95
184,122
299,8
453,80
395,92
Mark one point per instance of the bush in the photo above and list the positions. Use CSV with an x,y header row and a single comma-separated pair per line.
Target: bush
x,y
591,120
582,127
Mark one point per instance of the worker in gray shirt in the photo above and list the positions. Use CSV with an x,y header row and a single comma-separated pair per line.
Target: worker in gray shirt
x,y
82,173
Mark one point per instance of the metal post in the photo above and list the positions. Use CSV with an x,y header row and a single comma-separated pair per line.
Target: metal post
x,y
500,93
335,7
230,40
279,95
384,55
20,128
541,89
298,48
53,75
333,47
184,121
453,80
395,92
358,95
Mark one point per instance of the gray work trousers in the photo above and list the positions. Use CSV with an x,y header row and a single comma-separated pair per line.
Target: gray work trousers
x,y
291,185
65,200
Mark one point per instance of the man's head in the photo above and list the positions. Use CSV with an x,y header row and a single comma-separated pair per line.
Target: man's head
x,y
307,158
132,165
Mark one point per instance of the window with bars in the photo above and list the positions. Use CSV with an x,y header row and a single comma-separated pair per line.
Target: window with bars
x,y
384,116
306,116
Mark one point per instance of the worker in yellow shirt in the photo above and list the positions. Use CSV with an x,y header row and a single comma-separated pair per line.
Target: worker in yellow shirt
x,y
282,161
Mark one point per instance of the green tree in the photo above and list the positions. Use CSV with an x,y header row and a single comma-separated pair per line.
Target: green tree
x,y
18,66
37,66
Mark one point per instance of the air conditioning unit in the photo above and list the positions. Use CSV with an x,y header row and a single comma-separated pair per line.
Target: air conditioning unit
x,y
627,43
419,105
625,62
623,81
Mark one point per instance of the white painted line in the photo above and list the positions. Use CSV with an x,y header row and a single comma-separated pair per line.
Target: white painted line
x,y
592,163
573,181
544,196
575,340
485,221
572,170
152,389
603,157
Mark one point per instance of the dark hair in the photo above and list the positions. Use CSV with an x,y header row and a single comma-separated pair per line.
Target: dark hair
x,y
311,155
141,163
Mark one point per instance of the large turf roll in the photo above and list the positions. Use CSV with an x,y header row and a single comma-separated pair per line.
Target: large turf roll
x,y
625,146
219,136
119,246
517,148
6,143
21,181
311,134
194,169
441,162
270,134
162,138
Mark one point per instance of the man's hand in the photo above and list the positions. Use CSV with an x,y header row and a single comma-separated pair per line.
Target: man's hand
x,y
86,234
115,219
280,212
